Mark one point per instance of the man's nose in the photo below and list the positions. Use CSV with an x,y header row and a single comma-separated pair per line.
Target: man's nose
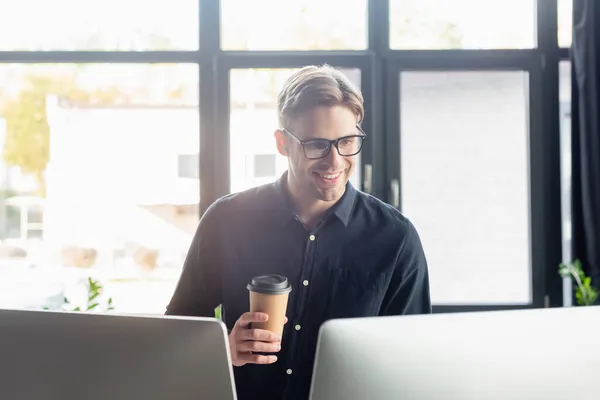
x,y
334,159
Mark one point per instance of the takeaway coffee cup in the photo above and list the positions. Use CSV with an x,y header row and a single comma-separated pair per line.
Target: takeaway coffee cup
x,y
269,295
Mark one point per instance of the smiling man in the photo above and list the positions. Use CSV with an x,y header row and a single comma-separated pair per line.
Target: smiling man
x,y
346,253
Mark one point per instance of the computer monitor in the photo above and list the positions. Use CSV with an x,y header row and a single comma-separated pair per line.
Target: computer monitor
x,y
75,356
544,354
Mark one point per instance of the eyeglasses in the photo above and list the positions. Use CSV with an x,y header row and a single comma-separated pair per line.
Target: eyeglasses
x,y
319,148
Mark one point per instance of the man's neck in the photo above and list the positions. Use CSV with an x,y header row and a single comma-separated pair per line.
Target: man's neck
x,y
310,210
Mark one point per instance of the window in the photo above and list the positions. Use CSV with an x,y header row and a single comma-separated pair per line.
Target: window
x,y
464,171
188,166
565,22
99,25
89,152
265,165
294,25
462,24
78,138
565,145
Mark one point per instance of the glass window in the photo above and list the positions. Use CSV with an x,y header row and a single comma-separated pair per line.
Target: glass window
x,y
462,24
265,165
464,171
565,22
99,25
189,166
294,25
253,121
565,144
90,182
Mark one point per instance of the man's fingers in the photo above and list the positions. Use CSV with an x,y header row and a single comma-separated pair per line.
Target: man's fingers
x,y
247,318
285,320
258,347
259,335
257,359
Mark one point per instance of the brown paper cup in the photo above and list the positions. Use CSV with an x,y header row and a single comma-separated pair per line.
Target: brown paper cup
x,y
269,294
274,306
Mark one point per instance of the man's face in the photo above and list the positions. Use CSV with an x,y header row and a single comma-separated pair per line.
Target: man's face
x,y
325,178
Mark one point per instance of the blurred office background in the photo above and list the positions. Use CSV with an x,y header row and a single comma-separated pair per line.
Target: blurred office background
x,y
121,121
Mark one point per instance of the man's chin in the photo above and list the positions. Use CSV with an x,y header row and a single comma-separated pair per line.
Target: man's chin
x,y
330,194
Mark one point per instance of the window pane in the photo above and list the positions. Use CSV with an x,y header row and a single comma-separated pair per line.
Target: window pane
x,y
294,25
265,165
189,166
99,25
464,164
462,24
95,150
565,160
253,121
565,22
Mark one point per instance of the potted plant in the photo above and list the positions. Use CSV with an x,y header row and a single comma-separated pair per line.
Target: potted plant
x,y
585,293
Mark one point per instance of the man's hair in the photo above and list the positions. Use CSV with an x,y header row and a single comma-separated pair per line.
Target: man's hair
x,y
314,86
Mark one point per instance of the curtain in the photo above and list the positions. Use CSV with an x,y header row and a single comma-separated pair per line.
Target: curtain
x,y
585,131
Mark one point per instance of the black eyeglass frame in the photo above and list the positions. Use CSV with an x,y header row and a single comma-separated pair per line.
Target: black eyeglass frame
x,y
330,143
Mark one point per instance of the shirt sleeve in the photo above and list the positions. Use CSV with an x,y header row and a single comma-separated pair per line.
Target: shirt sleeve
x,y
198,290
408,292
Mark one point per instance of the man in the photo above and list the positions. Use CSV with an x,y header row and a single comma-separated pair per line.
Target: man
x,y
346,253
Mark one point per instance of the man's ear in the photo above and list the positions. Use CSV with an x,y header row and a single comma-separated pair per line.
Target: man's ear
x,y
281,142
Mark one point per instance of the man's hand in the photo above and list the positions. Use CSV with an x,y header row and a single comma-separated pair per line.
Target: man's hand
x,y
243,341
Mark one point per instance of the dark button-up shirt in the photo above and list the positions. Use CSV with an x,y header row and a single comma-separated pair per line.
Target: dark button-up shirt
x,y
364,259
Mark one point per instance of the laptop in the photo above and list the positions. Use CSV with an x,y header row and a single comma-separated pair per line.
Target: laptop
x,y
73,356
542,354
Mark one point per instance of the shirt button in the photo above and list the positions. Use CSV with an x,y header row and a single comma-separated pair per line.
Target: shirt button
x,y
305,283
312,238
289,372
298,327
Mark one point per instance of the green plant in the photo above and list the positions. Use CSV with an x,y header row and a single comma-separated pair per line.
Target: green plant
x,y
94,291
585,293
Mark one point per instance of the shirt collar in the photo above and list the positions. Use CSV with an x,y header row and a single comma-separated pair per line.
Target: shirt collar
x,y
342,209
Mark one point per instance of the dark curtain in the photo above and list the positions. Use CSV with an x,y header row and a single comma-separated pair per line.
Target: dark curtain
x,y
585,59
